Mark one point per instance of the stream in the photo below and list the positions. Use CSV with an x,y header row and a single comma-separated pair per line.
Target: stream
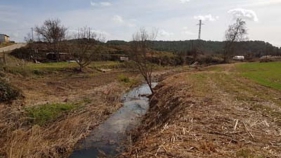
x,y
110,138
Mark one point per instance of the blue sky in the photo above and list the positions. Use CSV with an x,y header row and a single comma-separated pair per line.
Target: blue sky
x,y
119,19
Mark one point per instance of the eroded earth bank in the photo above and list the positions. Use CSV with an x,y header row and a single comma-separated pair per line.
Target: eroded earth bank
x,y
210,113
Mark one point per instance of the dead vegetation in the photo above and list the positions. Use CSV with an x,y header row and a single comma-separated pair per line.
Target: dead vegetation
x,y
210,114
96,96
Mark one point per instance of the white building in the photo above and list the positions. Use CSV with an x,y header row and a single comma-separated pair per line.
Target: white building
x,y
4,38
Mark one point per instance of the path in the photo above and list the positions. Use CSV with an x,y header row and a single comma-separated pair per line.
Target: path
x,y
12,47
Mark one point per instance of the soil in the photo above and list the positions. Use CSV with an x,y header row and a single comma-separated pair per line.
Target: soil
x,y
210,113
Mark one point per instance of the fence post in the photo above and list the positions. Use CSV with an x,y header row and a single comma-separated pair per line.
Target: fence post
x,y
4,58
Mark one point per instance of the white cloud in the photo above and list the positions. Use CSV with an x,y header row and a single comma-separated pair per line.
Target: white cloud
x,y
124,22
186,31
262,3
103,4
118,19
208,17
165,33
93,3
244,14
184,1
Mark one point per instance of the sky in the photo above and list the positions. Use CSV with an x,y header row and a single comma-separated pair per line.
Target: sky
x,y
120,19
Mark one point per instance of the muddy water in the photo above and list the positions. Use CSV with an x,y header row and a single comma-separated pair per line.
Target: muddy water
x,y
110,138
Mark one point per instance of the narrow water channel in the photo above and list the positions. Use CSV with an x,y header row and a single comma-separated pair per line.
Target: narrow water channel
x,y
110,138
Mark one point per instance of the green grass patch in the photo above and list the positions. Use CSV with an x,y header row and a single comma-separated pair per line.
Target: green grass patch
x,y
46,113
106,64
267,74
131,82
47,68
123,78
39,69
56,66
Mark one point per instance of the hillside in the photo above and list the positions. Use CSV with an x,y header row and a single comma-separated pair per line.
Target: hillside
x,y
256,48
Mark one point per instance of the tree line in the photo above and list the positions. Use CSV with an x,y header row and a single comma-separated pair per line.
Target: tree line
x,y
255,48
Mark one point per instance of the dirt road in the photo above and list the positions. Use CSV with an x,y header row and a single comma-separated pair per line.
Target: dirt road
x,y
212,113
12,47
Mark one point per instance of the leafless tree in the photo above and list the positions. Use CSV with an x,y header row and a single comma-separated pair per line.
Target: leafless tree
x,y
52,32
84,46
28,38
235,33
141,52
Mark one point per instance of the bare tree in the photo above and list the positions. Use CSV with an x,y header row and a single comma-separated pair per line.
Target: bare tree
x,y
28,38
141,52
84,47
52,32
235,33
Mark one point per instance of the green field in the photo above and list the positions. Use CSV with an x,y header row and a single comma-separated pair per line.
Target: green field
x,y
267,74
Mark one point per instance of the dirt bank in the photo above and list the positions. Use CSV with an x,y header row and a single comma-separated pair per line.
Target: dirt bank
x,y
210,113
97,95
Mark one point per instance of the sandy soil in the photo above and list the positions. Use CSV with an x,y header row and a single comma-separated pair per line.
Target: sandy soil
x,y
210,113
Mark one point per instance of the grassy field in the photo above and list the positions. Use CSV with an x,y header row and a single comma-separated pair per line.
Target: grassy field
x,y
267,74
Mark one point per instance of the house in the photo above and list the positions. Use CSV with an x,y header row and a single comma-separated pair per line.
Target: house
x,y
4,38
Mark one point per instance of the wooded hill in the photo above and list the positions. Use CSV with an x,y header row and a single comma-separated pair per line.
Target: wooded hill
x,y
165,52
255,48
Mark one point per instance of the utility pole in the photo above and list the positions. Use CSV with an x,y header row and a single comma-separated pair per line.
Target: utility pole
x,y
32,34
198,45
200,25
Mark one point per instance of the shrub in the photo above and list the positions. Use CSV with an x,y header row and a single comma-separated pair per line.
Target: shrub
x,y
8,92
22,53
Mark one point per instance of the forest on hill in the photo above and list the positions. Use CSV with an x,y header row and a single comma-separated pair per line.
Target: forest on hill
x,y
165,52
255,48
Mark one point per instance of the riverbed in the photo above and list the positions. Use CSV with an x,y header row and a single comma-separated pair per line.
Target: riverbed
x,y
111,137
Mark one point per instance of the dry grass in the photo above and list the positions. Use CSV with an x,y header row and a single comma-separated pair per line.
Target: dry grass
x,y
201,114
97,95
